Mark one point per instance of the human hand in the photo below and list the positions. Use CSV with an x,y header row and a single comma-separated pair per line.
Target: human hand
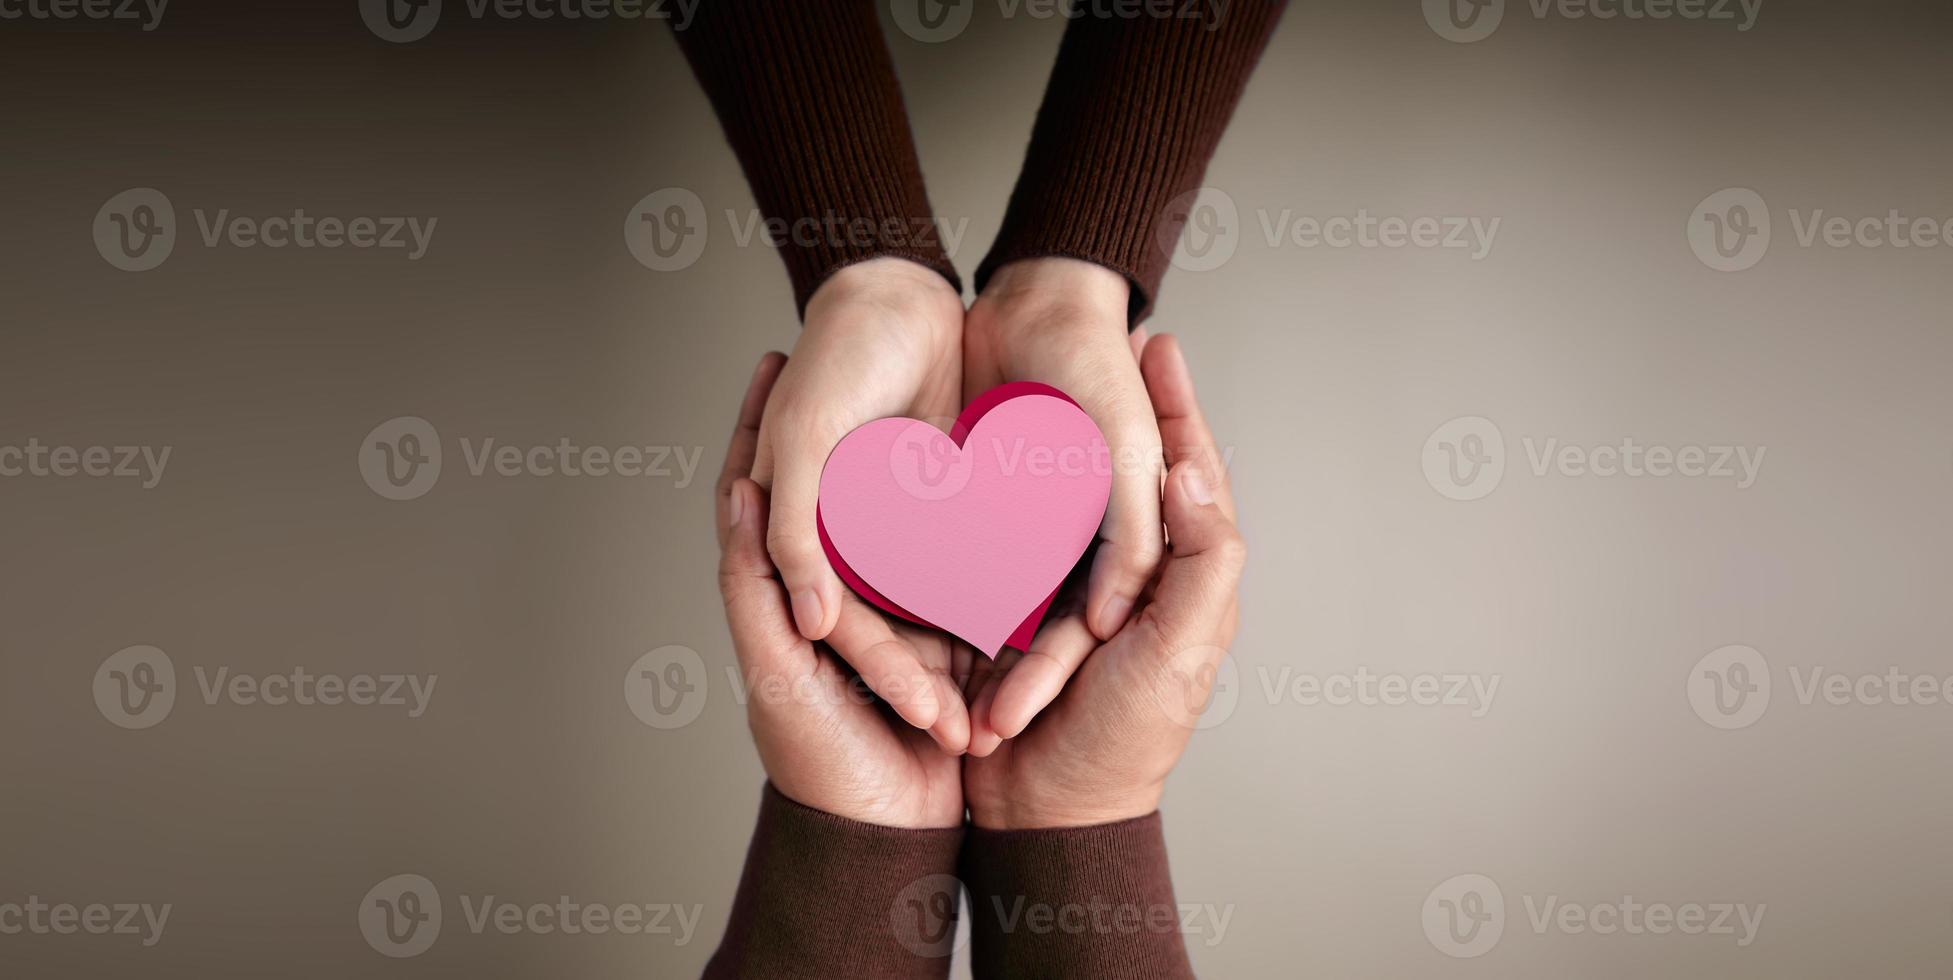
x,y
824,742
881,338
1063,322
1102,750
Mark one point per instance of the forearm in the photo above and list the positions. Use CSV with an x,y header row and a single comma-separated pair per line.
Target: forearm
x,y
823,897
808,98
1081,903
1133,112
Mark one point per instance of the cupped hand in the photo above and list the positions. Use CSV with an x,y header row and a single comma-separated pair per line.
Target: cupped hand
x,y
881,338
824,740
1063,322
1103,748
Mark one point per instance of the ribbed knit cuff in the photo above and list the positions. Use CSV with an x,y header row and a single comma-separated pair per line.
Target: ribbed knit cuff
x,y
825,897
808,98
1134,109
1079,903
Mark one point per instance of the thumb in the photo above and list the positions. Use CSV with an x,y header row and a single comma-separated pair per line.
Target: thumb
x,y
1194,604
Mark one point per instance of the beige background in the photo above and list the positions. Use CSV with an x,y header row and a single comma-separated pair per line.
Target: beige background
x,y
1322,828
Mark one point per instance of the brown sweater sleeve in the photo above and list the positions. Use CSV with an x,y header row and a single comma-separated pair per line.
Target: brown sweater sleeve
x,y
1133,111
824,897
1083,904
807,96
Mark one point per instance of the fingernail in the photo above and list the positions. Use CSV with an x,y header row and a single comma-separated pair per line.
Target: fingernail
x,y
807,612
738,507
1115,612
1196,488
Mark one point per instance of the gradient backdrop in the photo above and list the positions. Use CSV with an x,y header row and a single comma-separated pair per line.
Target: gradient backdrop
x,y
1493,692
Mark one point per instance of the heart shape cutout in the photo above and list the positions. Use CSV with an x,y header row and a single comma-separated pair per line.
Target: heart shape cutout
x,y
971,532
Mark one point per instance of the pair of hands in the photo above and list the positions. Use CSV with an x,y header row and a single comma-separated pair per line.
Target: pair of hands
x,y
1112,732
889,337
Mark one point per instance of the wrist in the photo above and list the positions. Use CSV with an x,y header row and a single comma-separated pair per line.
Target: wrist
x,y
901,305
1029,813
1037,315
1056,276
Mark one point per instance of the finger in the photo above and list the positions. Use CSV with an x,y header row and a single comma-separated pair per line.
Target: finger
x,y
984,738
794,540
887,663
1132,546
1138,341
745,436
1193,606
952,728
1036,679
1184,434
763,636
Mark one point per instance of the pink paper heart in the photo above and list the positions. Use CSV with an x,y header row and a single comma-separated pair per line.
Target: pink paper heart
x,y
972,532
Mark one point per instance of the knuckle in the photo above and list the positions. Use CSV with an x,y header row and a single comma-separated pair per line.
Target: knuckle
x,y
1231,553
